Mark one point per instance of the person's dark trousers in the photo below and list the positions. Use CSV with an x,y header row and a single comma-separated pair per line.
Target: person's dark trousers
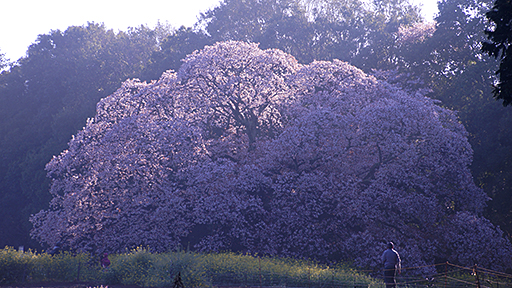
x,y
389,277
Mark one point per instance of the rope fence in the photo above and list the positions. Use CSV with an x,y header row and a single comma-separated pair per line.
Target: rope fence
x,y
444,275
452,275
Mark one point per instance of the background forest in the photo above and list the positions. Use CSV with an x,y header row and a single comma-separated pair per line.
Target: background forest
x,y
47,95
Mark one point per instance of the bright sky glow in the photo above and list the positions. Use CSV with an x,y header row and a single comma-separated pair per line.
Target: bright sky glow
x,y
22,20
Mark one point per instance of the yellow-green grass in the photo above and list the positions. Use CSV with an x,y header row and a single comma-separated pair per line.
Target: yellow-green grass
x,y
143,268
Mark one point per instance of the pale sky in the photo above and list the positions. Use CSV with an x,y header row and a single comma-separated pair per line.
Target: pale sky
x,y
22,20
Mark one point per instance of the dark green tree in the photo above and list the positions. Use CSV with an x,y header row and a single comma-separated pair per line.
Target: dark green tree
x,y
500,46
172,49
452,65
349,30
241,20
3,61
46,97
382,23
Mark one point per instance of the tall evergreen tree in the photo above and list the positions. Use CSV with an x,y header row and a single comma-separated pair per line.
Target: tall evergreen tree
x,y
501,47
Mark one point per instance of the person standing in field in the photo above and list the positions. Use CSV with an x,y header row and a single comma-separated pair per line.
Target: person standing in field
x,y
391,261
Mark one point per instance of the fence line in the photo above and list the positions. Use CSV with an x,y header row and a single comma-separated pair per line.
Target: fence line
x,y
452,276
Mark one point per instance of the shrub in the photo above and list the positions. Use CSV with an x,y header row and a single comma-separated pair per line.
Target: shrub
x,y
14,266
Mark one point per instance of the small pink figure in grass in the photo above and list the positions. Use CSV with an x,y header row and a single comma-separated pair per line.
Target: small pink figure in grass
x,y
105,262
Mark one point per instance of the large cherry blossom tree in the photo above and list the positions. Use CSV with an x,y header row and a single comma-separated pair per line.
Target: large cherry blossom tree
x,y
245,149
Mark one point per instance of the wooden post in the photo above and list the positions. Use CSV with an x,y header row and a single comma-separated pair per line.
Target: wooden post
x,y
309,276
78,272
476,276
25,273
332,278
259,264
445,274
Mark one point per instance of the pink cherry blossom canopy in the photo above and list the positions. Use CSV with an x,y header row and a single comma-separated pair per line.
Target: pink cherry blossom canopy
x,y
244,149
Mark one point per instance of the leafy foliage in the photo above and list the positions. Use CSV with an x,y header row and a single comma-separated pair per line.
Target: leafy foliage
x,y
3,61
500,46
46,97
48,94
172,50
352,31
450,63
246,150
69,71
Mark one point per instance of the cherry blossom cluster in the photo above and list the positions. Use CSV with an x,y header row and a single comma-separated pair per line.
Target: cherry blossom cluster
x,y
416,33
246,150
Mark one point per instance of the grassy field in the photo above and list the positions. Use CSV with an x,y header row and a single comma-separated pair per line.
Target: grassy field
x,y
142,268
